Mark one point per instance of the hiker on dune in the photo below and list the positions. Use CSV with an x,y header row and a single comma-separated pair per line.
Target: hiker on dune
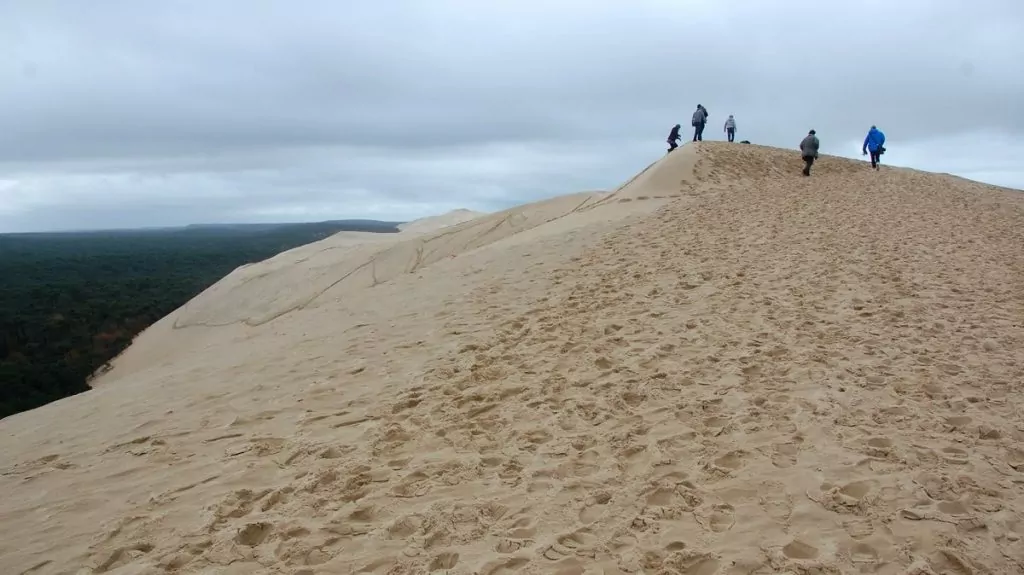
x,y
730,128
700,118
809,151
873,142
674,137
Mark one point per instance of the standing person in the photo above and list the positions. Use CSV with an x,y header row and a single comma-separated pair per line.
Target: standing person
x,y
873,142
730,128
674,137
700,118
809,151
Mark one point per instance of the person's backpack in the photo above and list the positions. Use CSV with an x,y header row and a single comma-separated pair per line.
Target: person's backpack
x,y
698,117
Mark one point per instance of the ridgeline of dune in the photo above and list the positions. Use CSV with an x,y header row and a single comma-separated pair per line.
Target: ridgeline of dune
x,y
720,367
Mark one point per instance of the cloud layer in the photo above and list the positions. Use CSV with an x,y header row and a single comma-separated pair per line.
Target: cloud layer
x,y
120,114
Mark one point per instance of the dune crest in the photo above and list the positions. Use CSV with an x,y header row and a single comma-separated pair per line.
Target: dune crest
x,y
719,368
434,223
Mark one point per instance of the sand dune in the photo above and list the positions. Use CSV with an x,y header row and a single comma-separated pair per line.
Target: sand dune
x,y
434,223
718,368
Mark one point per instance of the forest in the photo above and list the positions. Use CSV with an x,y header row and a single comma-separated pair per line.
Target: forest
x,y
71,302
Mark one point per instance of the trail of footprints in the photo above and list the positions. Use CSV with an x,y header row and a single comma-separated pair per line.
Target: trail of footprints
x,y
627,422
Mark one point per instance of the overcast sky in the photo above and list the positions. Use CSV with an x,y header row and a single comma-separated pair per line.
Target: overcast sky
x,y
143,113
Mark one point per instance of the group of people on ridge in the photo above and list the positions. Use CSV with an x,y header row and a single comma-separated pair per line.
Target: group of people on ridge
x,y
699,120
873,142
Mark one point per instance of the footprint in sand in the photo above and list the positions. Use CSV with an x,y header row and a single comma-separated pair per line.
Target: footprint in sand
x,y
784,454
683,561
121,556
717,518
522,528
334,452
678,444
633,399
674,546
364,514
863,553
852,493
512,545
397,464
879,446
504,566
715,425
415,484
858,528
955,455
253,534
730,461
594,507
1015,458
751,371
404,527
569,544
634,459
958,422
953,508
775,502
444,561
797,549
661,497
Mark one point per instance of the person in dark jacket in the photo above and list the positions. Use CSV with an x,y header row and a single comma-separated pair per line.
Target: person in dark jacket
x,y
674,137
700,118
809,151
873,143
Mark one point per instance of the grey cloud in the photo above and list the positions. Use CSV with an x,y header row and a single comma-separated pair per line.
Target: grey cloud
x,y
286,103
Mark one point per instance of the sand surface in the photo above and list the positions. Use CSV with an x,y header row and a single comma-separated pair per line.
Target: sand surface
x,y
434,223
719,368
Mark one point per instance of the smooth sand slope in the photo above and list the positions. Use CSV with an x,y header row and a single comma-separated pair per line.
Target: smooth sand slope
x,y
434,223
719,368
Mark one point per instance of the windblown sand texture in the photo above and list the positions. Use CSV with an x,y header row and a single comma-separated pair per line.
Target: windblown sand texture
x,y
720,368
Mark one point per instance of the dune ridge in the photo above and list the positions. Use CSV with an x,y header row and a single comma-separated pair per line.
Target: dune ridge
x,y
718,368
434,223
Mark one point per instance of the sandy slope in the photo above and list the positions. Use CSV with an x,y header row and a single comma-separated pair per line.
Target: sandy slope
x,y
434,223
719,368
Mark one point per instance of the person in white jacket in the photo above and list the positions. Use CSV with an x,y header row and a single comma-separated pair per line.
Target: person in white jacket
x,y
730,128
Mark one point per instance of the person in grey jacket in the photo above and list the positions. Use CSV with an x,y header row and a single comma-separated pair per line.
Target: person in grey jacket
x,y
809,151
700,118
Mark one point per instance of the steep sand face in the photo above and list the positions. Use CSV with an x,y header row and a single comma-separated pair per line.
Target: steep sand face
x,y
719,368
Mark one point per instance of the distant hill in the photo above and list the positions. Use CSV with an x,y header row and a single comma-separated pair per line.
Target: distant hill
x,y
357,225
375,226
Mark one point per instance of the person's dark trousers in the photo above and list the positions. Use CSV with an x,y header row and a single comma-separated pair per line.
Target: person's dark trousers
x,y
876,159
731,132
698,132
808,162
671,145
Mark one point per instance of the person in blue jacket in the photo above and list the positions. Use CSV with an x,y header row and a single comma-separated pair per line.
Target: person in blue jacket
x,y
874,143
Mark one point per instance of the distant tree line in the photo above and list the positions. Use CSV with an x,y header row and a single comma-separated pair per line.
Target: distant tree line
x,y
70,302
